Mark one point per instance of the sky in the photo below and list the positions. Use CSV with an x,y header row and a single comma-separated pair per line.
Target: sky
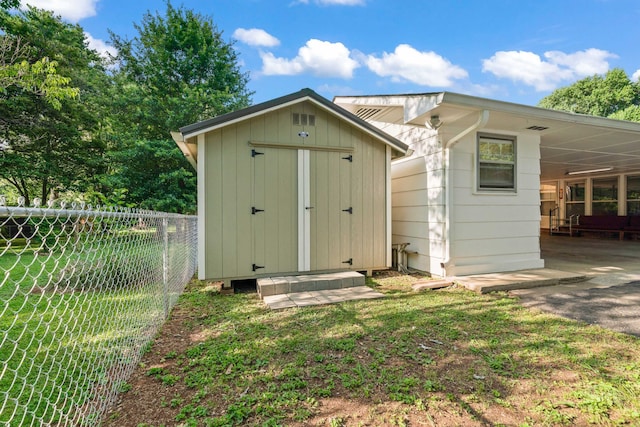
x,y
510,50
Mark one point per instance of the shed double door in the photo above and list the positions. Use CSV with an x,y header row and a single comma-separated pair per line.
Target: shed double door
x,y
301,213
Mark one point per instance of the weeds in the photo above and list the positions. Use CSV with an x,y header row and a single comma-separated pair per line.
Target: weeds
x,y
449,357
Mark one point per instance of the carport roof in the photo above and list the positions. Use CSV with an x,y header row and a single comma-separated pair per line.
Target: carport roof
x,y
569,142
186,141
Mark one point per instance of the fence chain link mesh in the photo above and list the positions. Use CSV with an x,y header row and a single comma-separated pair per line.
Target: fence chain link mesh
x,y
83,292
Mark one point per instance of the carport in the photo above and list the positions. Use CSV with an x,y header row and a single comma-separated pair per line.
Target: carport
x,y
464,209
610,298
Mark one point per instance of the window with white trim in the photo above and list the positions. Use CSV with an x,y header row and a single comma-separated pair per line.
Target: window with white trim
x,y
633,195
496,163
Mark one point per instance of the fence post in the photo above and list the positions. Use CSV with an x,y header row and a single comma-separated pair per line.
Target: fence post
x,y
165,265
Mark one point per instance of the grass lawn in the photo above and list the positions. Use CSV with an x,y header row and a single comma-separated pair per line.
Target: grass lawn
x,y
64,349
446,357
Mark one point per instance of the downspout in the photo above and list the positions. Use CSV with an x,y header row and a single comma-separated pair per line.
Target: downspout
x,y
483,118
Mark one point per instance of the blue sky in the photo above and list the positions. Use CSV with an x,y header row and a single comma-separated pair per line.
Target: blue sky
x,y
511,50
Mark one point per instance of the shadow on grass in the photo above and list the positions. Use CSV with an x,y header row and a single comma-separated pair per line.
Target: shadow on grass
x,y
448,356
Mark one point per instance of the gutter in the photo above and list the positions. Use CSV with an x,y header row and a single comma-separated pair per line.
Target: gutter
x,y
483,118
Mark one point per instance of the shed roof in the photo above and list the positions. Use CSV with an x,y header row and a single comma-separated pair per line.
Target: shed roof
x,y
186,140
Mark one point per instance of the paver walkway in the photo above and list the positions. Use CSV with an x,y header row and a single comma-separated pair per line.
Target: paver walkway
x,y
329,296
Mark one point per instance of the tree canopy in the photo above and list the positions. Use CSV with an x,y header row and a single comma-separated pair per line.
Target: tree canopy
x,y
47,120
178,70
613,95
71,124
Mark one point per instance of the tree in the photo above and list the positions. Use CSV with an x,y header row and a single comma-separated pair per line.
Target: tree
x,y
151,174
48,145
39,77
612,95
9,4
178,70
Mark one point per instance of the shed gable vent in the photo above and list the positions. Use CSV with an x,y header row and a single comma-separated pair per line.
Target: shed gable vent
x,y
538,128
300,119
366,113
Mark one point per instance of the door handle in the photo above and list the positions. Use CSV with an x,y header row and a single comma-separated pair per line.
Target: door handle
x,y
309,208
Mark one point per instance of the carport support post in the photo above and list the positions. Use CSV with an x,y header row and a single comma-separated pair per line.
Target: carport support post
x,y
165,265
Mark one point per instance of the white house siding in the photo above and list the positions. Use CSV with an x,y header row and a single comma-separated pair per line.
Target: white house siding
x,y
493,231
418,198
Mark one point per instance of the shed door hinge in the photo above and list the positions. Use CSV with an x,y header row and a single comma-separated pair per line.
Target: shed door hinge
x,y
255,267
256,153
255,211
349,261
350,210
349,157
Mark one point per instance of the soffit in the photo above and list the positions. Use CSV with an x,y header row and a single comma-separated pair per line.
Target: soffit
x,y
568,142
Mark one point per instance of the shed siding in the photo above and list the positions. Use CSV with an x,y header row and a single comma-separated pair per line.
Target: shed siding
x,y
231,179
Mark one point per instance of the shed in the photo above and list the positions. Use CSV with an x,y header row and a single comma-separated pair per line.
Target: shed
x,y
291,186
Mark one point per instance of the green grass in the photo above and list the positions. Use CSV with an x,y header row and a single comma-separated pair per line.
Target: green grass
x,y
446,356
72,323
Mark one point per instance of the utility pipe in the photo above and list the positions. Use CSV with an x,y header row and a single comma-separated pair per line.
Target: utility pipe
x,y
483,118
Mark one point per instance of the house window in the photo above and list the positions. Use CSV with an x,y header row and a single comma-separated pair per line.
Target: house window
x,y
605,196
575,198
633,195
496,163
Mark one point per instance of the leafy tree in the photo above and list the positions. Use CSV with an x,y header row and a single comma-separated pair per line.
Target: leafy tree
x,y
612,95
155,177
9,4
178,70
39,77
51,143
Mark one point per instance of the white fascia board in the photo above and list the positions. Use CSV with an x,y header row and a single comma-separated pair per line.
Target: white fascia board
x,y
417,106
455,99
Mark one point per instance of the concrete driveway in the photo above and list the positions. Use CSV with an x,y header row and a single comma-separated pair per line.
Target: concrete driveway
x,y
610,298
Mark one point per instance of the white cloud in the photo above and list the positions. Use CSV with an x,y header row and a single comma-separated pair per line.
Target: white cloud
x,y
320,58
635,76
408,64
549,73
72,10
100,46
255,37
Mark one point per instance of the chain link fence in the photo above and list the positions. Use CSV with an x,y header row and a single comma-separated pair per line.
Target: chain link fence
x,y
82,293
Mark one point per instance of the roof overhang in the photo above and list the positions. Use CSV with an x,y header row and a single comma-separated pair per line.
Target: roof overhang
x,y
186,138
568,142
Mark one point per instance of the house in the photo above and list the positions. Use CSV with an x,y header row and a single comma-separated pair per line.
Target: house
x,y
486,176
291,186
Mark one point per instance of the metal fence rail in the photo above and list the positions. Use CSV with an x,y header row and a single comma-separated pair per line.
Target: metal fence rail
x,y
82,293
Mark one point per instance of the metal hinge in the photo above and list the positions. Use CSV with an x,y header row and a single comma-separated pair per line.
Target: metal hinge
x,y
255,211
255,267
349,157
350,210
256,153
349,261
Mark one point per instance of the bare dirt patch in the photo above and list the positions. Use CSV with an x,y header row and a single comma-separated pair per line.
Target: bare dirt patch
x,y
436,358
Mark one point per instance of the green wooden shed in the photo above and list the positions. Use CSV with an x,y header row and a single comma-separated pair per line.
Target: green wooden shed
x,y
295,185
